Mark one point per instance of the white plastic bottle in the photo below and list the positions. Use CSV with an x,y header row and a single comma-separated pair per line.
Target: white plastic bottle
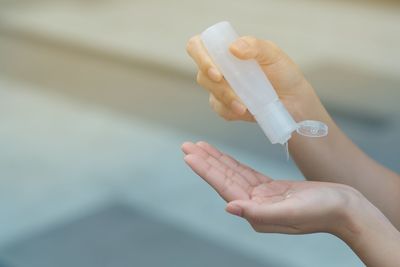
x,y
250,83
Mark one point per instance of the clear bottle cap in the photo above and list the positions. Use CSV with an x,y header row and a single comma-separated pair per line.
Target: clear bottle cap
x,y
312,128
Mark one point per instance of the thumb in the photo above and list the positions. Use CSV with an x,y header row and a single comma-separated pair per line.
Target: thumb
x,y
273,213
242,208
265,52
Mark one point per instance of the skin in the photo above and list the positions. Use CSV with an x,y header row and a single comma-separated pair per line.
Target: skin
x,y
331,159
294,207
334,159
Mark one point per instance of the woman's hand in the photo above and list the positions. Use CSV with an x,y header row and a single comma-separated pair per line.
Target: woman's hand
x,y
285,76
324,159
292,207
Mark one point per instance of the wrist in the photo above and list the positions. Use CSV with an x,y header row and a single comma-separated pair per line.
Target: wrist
x,y
367,231
350,215
305,105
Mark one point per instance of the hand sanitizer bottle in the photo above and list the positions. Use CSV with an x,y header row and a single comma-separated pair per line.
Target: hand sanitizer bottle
x,y
250,83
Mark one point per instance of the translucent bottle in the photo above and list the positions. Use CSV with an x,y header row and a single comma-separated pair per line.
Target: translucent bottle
x,y
250,83
255,90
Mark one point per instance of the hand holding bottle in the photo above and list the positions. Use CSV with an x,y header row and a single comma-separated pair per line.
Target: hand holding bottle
x,y
289,82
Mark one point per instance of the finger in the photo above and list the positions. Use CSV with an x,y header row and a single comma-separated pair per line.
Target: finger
x,y
243,208
190,148
226,112
223,92
252,176
265,52
280,213
199,54
225,187
237,208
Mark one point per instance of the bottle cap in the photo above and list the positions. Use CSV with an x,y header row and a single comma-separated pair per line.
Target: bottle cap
x,y
312,128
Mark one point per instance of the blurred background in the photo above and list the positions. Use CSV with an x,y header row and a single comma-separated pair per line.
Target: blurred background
x,y
96,97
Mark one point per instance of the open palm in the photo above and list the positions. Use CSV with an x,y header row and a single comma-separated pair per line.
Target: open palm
x,y
270,206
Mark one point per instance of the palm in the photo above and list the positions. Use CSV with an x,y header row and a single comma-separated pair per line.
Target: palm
x,y
238,183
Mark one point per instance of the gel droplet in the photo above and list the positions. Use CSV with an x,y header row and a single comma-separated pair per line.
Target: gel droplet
x,y
287,151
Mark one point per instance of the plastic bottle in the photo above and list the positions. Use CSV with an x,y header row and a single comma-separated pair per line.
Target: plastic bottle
x,y
250,83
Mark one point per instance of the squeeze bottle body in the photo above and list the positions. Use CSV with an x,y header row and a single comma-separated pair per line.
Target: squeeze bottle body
x,y
250,83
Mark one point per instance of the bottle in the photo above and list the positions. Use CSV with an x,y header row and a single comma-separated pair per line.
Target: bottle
x,y
250,83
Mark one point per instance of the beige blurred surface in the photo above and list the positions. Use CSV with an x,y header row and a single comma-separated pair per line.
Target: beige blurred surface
x,y
130,57
337,36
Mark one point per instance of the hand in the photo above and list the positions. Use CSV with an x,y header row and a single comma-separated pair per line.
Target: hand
x,y
297,207
285,76
293,207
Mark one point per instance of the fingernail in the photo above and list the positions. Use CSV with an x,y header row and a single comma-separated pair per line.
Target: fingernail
x,y
238,107
235,210
241,44
214,74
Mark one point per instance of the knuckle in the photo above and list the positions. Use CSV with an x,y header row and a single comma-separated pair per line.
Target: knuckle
x,y
190,44
211,101
220,109
199,77
272,46
210,97
224,95
271,52
251,40
224,113
227,116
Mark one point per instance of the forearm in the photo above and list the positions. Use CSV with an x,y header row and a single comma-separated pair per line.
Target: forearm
x,y
371,236
335,158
